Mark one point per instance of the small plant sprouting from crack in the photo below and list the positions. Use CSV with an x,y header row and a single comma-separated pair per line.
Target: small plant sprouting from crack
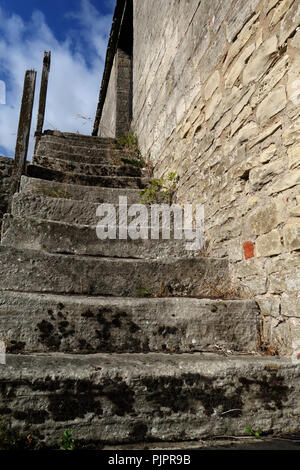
x,y
128,144
67,443
160,191
254,433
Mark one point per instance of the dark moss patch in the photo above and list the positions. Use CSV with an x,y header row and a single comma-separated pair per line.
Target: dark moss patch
x,y
120,394
74,399
183,394
15,346
271,390
167,330
45,327
138,433
47,335
87,314
31,416
83,345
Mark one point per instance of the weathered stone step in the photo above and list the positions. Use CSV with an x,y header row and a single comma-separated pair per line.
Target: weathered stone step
x,y
76,138
119,398
89,169
33,271
43,323
71,211
55,208
104,156
60,237
93,194
36,171
47,147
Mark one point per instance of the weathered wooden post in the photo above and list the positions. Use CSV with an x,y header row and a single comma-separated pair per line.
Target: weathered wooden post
x,y
23,131
43,97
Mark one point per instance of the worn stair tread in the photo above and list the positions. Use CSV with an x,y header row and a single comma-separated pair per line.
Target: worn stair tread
x,y
105,156
59,209
94,194
73,238
89,169
119,398
34,271
80,148
81,324
78,178
76,136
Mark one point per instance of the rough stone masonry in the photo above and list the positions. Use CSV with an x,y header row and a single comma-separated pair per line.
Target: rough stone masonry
x,y
216,95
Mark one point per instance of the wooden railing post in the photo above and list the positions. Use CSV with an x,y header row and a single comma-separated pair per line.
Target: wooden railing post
x,y
23,131
43,97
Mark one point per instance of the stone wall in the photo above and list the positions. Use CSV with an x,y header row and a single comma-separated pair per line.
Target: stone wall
x,y
107,126
116,115
216,94
6,165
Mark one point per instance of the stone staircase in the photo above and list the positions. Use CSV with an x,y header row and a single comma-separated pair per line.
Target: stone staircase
x,y
86,352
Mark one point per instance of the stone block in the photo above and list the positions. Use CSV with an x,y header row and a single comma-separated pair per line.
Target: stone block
x,y
271,105
290,306
212,105
267,154
268,244
291,135
257,65
293,84
295,41
244,101
212,84
262,175
294,156
235,48
269,4
268,82
263,219
264,134
280,11
291,236
238,66
289,23
286,181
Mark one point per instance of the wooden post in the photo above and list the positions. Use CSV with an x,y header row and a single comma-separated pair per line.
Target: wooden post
x,y
43,97
23,131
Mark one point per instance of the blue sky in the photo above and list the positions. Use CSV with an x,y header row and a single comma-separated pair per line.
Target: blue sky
x,y
76,32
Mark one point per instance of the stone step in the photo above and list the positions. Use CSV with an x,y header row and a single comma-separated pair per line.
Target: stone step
x,y
104,156
69,238
81,324
58,136
46,147
40,172
34,271
89,194
89,169
55,208
118,398
29,204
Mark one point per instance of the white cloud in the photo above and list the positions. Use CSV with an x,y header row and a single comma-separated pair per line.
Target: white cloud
x,y
75,75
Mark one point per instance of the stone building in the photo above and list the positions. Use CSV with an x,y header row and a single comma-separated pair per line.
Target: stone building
x,y
212,91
